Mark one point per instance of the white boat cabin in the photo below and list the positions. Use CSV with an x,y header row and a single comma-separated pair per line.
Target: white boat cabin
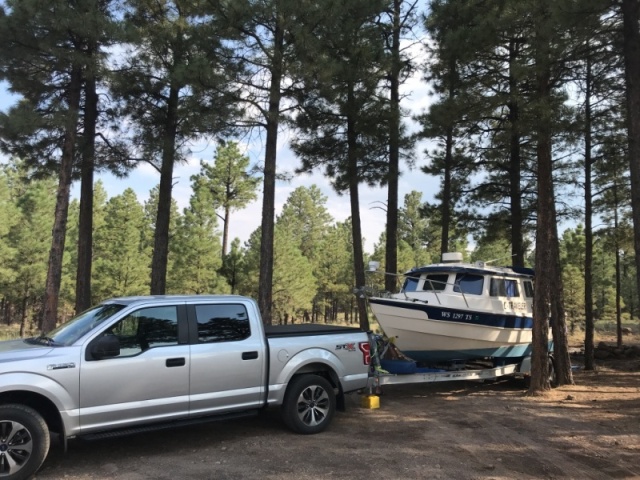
x,y
467,286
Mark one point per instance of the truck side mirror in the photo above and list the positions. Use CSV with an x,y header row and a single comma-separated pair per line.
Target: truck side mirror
x,y
107,346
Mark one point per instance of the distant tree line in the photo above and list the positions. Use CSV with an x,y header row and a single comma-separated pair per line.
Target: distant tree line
x,y
313,264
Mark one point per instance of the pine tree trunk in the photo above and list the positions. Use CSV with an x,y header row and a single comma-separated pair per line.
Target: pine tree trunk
x,y
589,361
391,258
545,207
163,218
631,49
265,282
85,222
617,248
549,297
542,295
448,167
225,231
356,228
515,166
23,317
54,273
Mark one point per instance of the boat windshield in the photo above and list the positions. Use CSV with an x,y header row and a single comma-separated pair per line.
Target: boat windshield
x,y
436,282
74,329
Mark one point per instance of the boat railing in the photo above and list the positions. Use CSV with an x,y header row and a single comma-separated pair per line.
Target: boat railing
x,y
373,291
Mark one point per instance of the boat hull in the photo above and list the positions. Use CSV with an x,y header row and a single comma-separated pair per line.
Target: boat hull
x,y
428,333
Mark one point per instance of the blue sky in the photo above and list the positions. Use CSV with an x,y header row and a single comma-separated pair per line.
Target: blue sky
x,y
245,221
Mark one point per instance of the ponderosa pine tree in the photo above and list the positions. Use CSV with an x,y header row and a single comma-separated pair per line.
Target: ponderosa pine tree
x,y
29,238
150,216
229,182
96,149
413,228
196,246
343,122
631,54
232,265
121,262
549,295
8,218
265,32
43,59
445,120
173,84
612,205
401,19
294,283
335,273
596,70
306,220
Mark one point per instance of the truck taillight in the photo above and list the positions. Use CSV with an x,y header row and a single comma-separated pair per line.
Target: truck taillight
x,y
365,348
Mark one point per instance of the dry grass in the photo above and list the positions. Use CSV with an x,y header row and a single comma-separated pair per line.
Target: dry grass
x,y
11,332
577,339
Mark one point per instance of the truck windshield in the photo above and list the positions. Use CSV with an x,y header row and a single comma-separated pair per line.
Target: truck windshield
x,y
69,332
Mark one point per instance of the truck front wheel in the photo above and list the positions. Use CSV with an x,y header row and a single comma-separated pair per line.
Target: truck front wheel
x,y
24,442
309,404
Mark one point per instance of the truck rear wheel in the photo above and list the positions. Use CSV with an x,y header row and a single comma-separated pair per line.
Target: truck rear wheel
x,y
24,442
309,404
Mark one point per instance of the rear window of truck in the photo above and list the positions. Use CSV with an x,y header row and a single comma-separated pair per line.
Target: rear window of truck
x,y
222,323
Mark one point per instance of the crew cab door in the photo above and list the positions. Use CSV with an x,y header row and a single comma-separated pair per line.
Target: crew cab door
x,y
228,370
148,379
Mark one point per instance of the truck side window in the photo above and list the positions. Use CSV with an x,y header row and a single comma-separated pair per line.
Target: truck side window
x,y
146,328
222,323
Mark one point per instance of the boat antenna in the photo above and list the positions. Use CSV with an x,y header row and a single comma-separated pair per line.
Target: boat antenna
x,y
501,258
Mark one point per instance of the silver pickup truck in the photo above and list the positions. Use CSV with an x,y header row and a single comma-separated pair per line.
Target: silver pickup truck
x,y
139,363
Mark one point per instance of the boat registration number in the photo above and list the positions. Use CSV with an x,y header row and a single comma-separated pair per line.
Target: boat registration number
x,y
456,316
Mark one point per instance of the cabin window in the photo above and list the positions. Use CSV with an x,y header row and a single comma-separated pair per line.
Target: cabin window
x,y
503,287
528,289
410,284
436,282
469,284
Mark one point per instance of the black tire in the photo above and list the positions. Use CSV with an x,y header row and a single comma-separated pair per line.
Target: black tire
x,y
24,442
309,404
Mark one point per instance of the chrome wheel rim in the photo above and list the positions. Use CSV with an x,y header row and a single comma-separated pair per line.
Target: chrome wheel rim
x,y
16,445
313,405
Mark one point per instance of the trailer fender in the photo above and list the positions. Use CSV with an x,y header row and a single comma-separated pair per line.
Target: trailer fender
x,y
525,366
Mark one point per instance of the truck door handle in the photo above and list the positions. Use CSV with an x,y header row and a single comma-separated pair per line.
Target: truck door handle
x,y
175,362
249,355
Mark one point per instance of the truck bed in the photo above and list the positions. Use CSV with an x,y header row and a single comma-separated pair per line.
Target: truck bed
x,y
306,329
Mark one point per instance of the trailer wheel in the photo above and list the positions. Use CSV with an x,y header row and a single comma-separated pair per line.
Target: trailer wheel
x,y
309,404
553,378
24,442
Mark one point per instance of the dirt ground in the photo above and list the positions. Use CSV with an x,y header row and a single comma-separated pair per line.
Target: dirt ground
x,y
457,430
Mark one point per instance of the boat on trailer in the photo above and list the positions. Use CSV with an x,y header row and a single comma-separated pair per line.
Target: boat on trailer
x,y
460,311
